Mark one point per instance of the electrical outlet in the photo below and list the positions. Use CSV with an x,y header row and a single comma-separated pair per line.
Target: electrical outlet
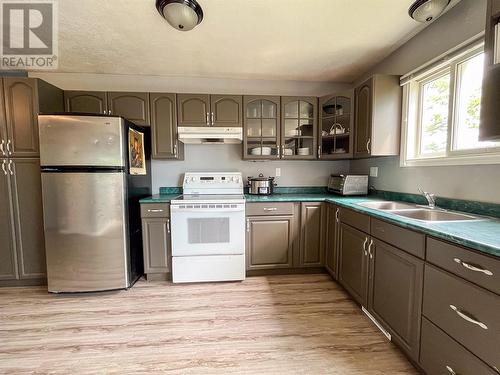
x,y
278,172
373,171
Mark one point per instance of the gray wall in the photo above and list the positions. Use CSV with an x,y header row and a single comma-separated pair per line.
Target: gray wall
x,y
228,158
478,182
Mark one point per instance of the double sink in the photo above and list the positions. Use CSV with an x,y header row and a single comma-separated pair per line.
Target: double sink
x,y
416,212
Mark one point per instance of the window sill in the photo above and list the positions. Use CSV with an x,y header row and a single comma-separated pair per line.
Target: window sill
x,y
476,159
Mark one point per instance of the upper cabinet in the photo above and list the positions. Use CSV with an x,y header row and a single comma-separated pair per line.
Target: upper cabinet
x,y
377,119
261,127
209,110
24,98
165,144
299,125
133,106
93,102
489,128
336,120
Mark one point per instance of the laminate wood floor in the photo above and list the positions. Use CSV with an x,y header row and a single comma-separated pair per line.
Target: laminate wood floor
x,y
297,324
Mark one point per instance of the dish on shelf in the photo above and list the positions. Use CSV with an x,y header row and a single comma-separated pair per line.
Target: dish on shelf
x,y
287,151
303,151
261,151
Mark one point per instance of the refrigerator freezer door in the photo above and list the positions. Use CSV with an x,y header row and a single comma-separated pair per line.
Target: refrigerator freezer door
x,y
85,231
90,141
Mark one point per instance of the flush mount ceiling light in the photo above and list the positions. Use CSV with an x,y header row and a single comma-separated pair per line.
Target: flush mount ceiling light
x,y
184,15
427,10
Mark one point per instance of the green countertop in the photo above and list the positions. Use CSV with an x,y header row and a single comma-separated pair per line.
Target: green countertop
x,y
482,235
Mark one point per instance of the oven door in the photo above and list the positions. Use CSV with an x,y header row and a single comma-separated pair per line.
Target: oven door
x,y
208,229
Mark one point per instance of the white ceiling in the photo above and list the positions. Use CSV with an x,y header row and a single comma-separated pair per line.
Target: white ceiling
x,y
301,40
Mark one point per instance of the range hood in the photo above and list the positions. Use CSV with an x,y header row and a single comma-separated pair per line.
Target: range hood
x,y
210,135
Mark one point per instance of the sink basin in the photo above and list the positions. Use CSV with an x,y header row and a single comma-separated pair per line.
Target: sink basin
x,y
433,215
387,205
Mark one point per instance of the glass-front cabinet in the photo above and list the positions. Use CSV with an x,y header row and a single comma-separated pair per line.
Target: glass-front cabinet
x,y
261,128
335,133
299,127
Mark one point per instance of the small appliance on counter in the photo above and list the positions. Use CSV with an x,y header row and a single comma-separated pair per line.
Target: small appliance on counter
x,y
348,184
261,185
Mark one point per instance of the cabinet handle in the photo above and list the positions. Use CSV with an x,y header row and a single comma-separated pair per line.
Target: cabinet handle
x,y
450,370
208,119
9,166
270,209
337,211
3,167
155,210
467,317
472,267
175,149
248,225
368,145
319,152
168,226
104,112
279,151
213,119
1,147
364,246
109,112
370,249
9,151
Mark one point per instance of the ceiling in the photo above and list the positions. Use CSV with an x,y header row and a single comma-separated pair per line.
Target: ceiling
x,y
302,40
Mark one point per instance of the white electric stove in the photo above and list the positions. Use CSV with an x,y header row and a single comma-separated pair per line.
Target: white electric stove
x,y
208,228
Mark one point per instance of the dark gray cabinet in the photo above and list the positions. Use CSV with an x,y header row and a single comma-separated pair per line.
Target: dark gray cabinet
x,y
312,239
489,127
92,102
193,110
165,144
156,240
331,249
133,106
8,259
395,293
226,110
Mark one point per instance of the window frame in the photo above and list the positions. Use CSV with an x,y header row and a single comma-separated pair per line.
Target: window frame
x,y
411,134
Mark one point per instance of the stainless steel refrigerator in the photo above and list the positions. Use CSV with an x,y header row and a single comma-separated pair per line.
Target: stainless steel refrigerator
x,y
91,198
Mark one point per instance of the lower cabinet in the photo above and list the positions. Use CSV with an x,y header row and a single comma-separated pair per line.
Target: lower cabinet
x,y
312,235
269,242
331,248
22,255
156,241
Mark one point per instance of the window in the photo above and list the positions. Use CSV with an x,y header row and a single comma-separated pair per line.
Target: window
x,y
441,109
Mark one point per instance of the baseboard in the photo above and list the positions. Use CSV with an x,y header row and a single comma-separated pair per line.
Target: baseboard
x,y
285,271
24,282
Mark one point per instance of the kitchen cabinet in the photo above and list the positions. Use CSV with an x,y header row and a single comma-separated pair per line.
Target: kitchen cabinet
x,y
331,253
336,126
226,110
156,239
165,144
377,117
489,126
312,239
91,102
134,106
269,242
395,293
8,259
24,98
353,262
209,110
261,127
299,126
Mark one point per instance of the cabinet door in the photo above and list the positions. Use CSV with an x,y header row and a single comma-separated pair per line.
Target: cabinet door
x,y
395,293
353,263
164,127
156,245
331,240
193,109
134,106
94,102
28,214
8,259
269,242
21,104
226,110
299,127
363,119
312,241
3,123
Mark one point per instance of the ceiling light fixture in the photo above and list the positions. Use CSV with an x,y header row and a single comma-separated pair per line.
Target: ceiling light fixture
x,y
427,10
183,15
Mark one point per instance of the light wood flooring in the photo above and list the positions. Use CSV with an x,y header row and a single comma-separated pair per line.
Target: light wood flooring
x,y
295,324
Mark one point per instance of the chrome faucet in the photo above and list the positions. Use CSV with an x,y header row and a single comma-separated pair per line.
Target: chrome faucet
x,y
431,198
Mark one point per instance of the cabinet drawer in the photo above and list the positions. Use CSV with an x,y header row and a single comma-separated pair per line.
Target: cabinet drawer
x,y
479,269
467,313
355,219
407,240
440,354
155,210
259,209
